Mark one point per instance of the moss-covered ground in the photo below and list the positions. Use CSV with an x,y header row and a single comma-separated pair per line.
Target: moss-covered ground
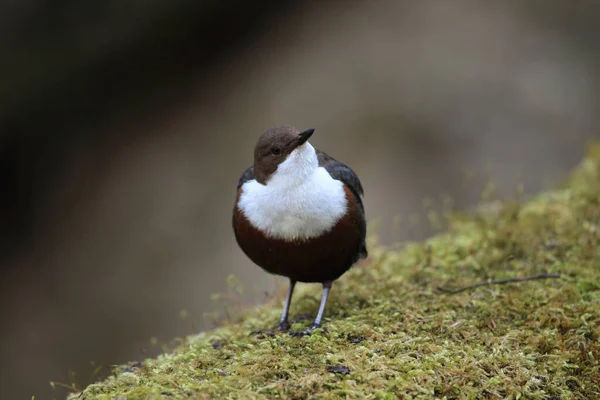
x,y
391,333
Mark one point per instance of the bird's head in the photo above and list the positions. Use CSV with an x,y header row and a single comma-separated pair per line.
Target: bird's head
x,y
284,153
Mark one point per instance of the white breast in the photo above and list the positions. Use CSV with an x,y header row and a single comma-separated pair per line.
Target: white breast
x,y
296,203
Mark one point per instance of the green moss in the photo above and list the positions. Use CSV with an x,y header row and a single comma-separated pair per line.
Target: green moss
x,y
389,333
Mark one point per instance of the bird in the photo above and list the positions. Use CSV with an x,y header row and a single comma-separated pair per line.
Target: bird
x,y
299,214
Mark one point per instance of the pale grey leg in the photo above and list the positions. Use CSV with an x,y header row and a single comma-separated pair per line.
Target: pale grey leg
x,y
319,318
284,325
317,322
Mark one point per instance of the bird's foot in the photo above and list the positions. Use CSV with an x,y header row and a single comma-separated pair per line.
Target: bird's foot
x,y
305,332
284,326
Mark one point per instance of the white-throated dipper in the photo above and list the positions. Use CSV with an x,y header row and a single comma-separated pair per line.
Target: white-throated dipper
x,y
299,214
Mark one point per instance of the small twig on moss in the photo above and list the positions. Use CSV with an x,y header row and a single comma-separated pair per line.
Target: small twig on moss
x,y
499,282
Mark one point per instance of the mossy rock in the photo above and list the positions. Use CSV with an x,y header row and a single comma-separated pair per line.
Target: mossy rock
x,y
391,333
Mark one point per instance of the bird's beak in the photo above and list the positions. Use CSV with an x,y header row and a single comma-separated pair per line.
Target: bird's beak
x,y
303,136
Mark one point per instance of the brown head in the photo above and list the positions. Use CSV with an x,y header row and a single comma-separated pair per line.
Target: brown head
x,y
274,146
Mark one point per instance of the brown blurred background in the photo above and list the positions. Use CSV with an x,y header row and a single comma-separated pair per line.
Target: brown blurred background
x,y
124,126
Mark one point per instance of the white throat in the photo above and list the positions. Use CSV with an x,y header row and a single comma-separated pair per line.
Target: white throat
x,y
300,200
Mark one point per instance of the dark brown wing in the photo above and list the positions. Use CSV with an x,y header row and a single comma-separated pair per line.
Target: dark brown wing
x,y
248,175
344,173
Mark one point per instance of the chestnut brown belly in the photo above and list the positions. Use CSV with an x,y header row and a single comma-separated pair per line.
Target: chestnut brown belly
x,y
324,258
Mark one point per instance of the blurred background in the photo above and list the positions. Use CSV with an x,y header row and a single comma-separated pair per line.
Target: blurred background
x,y
124,126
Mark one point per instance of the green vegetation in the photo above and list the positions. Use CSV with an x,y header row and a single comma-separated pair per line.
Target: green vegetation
x,y
390,333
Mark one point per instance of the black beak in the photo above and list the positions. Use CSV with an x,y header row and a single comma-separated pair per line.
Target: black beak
x,y
303,136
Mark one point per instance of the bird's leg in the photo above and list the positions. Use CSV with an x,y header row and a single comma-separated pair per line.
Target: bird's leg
x,y
284,325
317,322
319,318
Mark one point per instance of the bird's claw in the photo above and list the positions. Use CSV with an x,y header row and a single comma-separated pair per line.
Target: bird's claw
x,y
284,326
305,332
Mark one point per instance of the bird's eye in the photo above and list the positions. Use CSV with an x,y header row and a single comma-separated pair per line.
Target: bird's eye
x,y
276,151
